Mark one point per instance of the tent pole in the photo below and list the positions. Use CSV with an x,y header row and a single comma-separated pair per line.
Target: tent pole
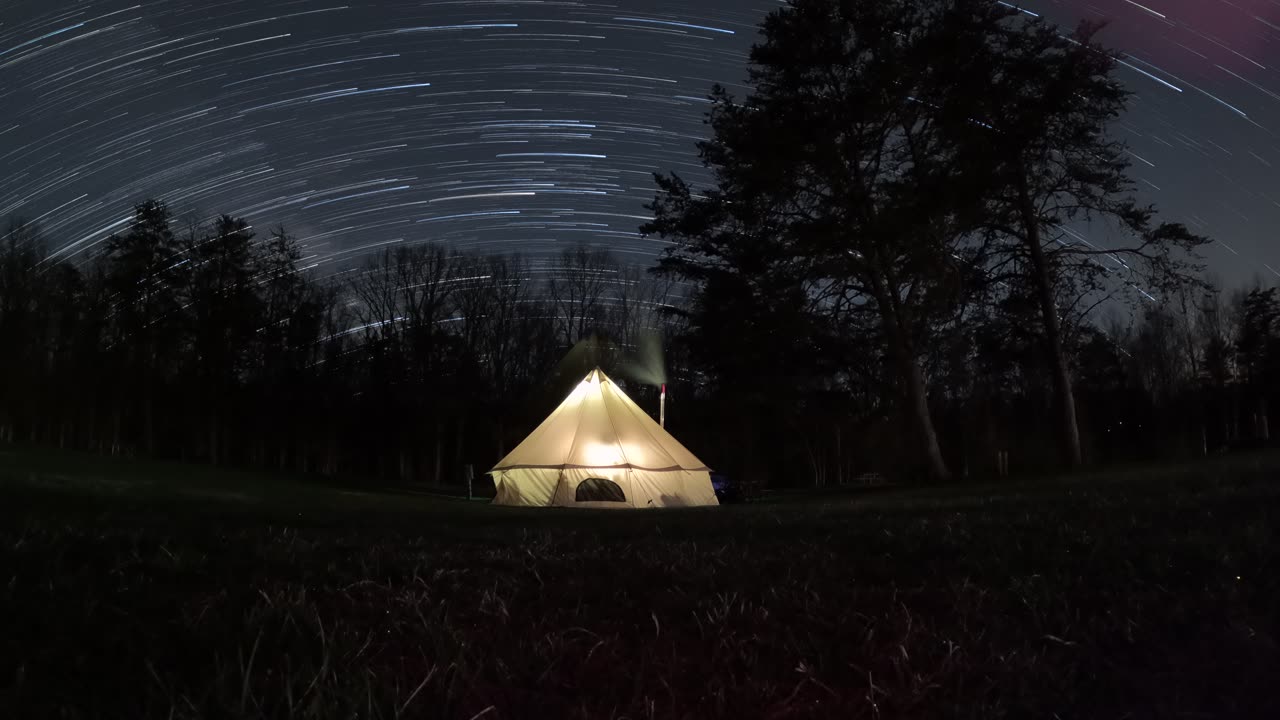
x,y
662,407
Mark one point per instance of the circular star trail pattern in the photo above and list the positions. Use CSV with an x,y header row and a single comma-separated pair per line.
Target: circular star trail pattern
x,y
526,126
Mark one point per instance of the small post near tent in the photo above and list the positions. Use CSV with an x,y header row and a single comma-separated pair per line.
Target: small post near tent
x,y
598,449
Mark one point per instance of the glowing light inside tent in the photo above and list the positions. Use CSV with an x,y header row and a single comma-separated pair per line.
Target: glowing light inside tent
x,y
598,455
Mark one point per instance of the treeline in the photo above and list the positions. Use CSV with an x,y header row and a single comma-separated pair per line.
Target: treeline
x,y
210,343
1190,377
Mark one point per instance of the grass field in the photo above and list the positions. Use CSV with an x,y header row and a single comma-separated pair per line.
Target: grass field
x,y
138,590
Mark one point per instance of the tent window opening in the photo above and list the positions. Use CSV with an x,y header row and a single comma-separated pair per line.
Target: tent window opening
x,y
599,490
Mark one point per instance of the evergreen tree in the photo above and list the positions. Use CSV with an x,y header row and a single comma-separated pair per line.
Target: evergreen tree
x,y
22,331
224,312
145,277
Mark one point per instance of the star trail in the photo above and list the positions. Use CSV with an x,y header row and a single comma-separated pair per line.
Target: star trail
x,y
521,126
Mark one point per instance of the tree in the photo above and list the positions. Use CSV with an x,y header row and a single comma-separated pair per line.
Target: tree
x,y
284,294
1157,356
1258,345
488,299
402,298
1044,104
72,312
1257,342
834,183
225,314
22,333
281,350
578,289
145,276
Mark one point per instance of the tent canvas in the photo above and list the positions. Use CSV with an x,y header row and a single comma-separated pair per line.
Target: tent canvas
x,y
598,449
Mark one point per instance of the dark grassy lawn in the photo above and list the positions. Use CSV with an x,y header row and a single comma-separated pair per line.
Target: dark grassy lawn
x,y
131,590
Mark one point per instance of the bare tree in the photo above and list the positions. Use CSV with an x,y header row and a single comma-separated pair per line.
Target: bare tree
x,y
1052,163
578,286
401,299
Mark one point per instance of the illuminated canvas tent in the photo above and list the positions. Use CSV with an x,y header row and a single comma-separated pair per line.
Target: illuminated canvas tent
x,y
598,449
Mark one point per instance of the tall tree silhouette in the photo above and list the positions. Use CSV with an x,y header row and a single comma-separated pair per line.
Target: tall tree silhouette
x,y
145,276
285,347
22,330
403,298
837,165
289,314
224,311
1258,344
1036,115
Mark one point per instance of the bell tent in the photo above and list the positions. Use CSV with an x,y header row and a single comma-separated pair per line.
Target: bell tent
x,y
598,449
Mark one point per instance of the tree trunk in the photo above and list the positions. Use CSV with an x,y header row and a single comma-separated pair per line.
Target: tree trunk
x,y
1264,430
897,328
115,432
213,439
459,442
840,473
331,452
148,422
1069,427
1235,417
815,466
439,452
918,403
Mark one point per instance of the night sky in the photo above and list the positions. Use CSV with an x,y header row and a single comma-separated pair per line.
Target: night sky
x,y
520,125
